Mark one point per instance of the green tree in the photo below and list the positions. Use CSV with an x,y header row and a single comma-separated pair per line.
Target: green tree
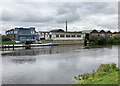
x,y
5,38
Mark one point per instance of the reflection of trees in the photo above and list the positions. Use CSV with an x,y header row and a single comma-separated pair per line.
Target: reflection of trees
x,y
37,51
26,52
9,54
21,53
24,60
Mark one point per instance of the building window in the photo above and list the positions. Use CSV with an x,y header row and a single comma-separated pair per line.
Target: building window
x,y
32,32
73,35
67,35
57,36
20,32
62,35
42,33
15,32
78,35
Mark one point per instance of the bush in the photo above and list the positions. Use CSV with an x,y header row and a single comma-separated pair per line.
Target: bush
x,y
113,66
5,38
104,41
110,41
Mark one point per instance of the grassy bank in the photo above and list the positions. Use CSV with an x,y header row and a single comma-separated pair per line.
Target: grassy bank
x,y
8,42
105,74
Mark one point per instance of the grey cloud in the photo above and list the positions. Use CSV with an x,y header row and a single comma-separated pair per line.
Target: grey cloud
x,y
53,15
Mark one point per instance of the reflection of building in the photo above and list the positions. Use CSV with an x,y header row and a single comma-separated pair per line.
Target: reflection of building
x,y
24,60
22,34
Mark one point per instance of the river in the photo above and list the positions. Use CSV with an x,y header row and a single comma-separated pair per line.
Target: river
x,y
53,65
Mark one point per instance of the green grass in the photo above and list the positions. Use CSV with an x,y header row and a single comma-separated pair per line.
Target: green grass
x,y
104,78
9,42
105,74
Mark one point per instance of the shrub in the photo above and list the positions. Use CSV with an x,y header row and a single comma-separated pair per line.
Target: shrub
x,y
5,38
104,41
113,66
110,41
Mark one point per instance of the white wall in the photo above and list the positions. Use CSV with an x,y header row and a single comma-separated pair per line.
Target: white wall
x,y
53,36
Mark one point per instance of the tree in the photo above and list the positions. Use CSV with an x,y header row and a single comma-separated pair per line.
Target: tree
x,y
5,38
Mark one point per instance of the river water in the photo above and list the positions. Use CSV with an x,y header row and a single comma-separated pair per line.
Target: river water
x,y
53,65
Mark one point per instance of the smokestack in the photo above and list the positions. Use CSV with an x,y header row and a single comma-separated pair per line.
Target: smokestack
x,y
66,25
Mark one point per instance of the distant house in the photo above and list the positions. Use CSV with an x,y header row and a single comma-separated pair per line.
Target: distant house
x,y
59,34
23,34
108,33
93,33
96,33
102,33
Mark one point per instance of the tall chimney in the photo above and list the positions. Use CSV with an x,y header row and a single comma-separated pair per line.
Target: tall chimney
x,y
66,25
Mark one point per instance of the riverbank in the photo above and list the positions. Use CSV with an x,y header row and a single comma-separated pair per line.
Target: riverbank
x,y
104,41
8,42
105,74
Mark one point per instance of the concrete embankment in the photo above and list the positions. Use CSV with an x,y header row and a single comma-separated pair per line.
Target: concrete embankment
x,y
59,42
64,42
12,46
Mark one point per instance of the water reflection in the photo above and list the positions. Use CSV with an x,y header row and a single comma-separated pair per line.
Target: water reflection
x,y
47,50
39,51
55,65
21,61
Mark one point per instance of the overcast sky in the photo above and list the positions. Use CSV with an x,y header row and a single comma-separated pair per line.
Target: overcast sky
x,y
46,16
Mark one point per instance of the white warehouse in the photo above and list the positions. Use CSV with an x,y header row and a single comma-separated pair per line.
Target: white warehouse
x,y
60,34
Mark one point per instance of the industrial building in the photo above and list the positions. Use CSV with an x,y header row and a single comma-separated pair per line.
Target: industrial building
x,y
23,34
61,37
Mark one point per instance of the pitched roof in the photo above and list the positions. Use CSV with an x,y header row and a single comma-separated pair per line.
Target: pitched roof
x,y
57,30
109,31
103,31
95,31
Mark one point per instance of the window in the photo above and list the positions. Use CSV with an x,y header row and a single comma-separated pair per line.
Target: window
x,y
42,33
73,35
78,35
57,36
20,32
32,32
67,35
62,35
15,32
